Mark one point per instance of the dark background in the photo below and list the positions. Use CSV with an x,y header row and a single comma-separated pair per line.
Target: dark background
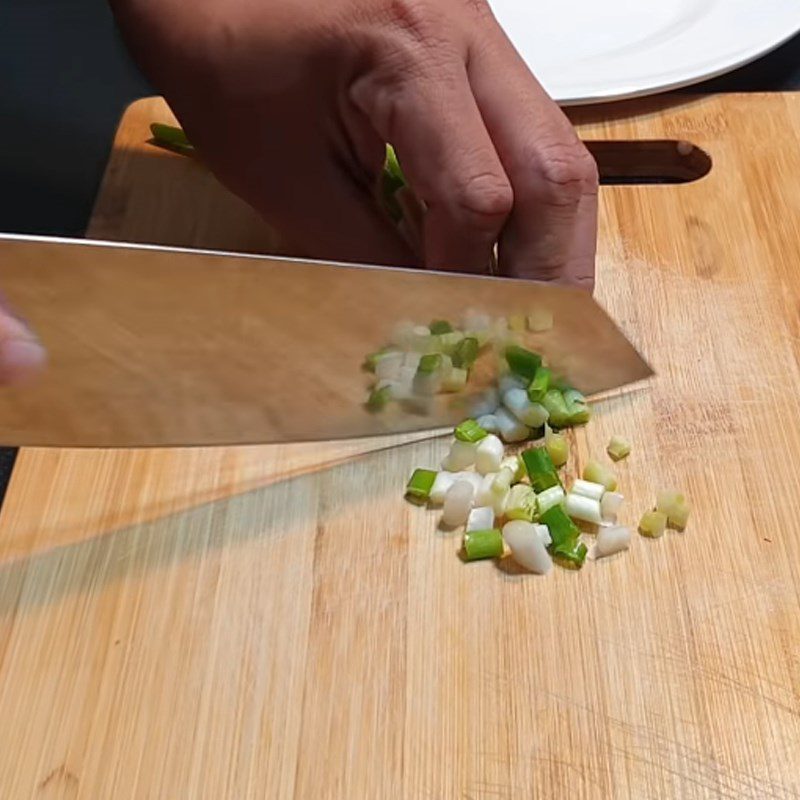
x,y
65,79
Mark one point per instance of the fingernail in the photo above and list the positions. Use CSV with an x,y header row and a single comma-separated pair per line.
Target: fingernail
x,y
20,359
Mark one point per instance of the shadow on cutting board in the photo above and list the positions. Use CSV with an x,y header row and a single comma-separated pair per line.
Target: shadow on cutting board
x,y
301,505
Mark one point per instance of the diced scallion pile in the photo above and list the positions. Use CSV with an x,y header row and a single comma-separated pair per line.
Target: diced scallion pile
x,y
518,501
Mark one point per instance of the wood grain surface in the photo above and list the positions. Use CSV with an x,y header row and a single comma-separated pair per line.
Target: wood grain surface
x,y
275,622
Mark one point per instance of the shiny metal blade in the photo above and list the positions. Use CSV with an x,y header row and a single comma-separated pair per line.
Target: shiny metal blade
x,y
152,346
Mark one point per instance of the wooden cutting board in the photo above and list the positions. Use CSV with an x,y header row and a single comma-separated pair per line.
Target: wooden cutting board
x,y
275,622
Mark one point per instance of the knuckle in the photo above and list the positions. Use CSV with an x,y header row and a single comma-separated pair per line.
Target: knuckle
x,y
419,18
565,171
485,198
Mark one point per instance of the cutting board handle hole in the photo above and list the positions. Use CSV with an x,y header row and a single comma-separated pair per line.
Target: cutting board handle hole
x,y
657,161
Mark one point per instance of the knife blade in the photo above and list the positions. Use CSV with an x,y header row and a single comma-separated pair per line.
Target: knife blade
x,y
160,346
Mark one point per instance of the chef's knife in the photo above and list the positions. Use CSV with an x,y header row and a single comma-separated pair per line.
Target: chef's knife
x,y
155,346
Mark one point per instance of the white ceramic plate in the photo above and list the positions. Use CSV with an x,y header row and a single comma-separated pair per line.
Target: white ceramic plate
x,y
586,51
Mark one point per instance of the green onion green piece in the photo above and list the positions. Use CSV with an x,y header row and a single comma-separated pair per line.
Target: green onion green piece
x,y
521,503
469,431
483,544
618,448
653,524
420,485
171,137
574,554
465,352
556,406
539,385
392,179
563,530
599,473
439,326
577,407
541,469
523,362
378,398
557,446
430,363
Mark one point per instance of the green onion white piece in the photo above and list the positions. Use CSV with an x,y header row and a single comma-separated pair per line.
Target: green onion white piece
x,y
521,503
553,496
510,428
618,448
599,473
588,489
610,504
612,540
471,477
412,360
653,524
460,456
544,534
675,506
441,484
489,423
480,519
526,546
387,367
489,454
458,503
515,466
534,415
484,495
485,403
511,381
455,380
583,508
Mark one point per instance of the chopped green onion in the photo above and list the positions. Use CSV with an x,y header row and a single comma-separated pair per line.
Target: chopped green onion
x,y
483,544
556,407
523,362
469,431
516,323
539,385
562,529
584,508
521,503
598,473
515,466
455,380
378,398
553,496
439,326
430,363
420,485
371,361
577,407
171,137
465,352
618,448
573,554
653,524
449,341
557,446
541,469
675,506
